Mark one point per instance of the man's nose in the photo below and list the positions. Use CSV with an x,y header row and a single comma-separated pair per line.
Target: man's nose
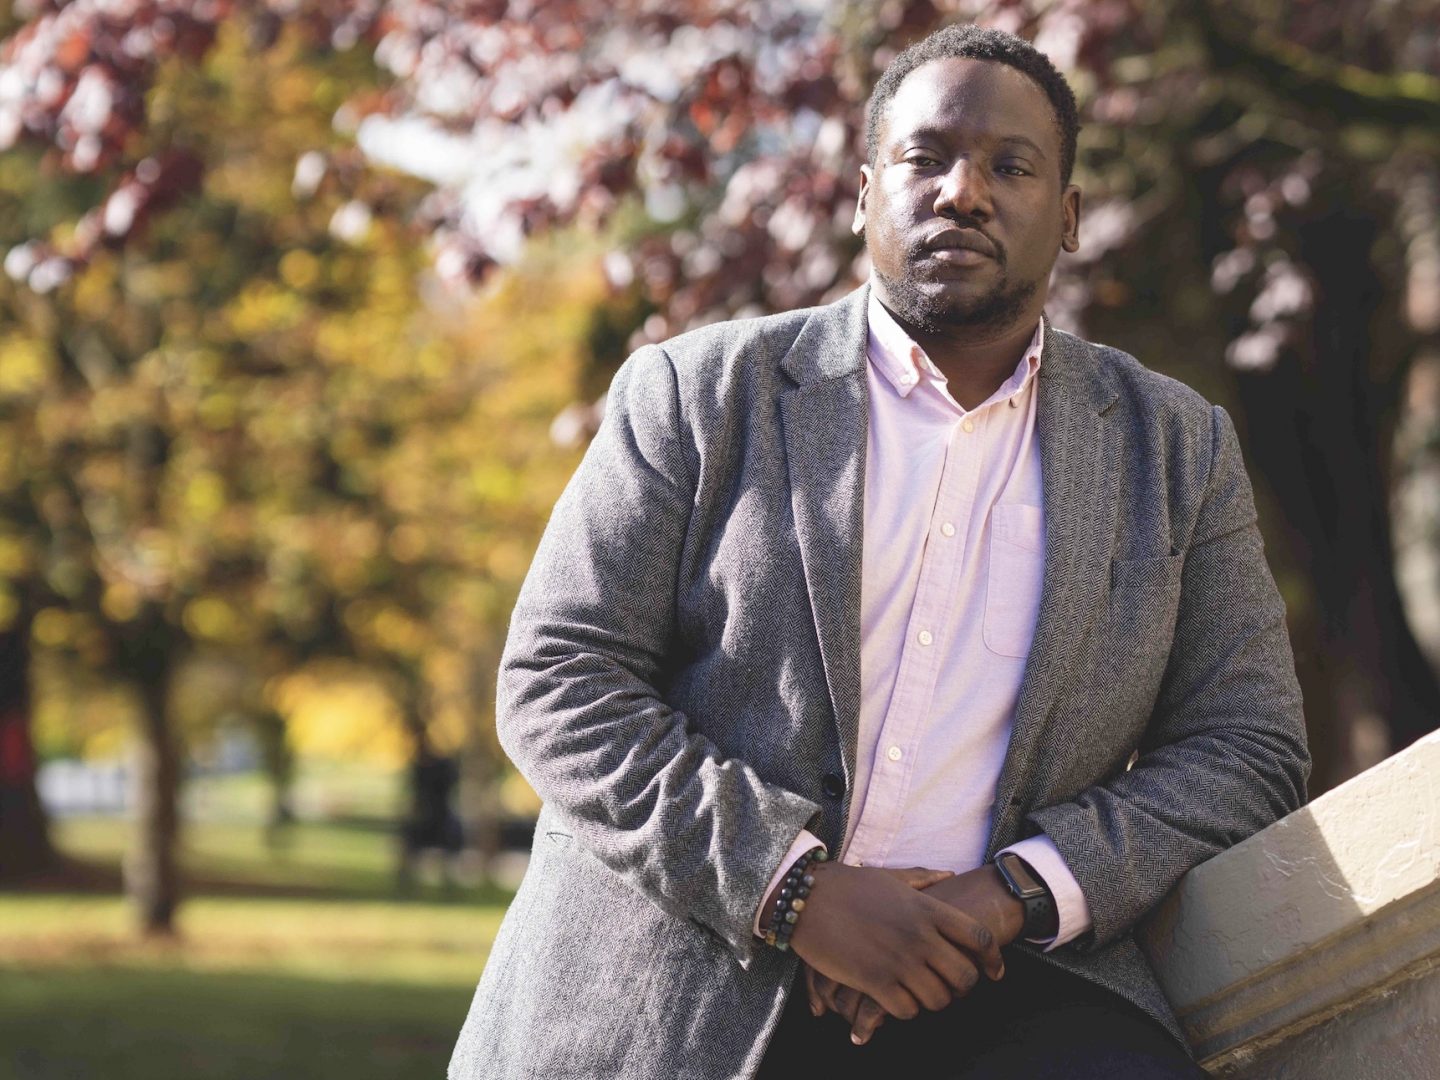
x,y
964,191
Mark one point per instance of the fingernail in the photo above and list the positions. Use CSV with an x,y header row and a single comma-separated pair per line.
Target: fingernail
x,y
857,1040
814,1009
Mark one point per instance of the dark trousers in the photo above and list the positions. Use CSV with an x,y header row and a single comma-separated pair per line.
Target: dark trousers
x,y
1037,1023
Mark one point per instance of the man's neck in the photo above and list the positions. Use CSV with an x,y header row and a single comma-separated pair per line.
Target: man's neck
x,y
974,361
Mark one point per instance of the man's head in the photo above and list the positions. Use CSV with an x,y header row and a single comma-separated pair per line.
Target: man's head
x,y
965,200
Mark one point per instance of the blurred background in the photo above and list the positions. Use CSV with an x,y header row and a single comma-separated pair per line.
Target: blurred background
x,y
306,314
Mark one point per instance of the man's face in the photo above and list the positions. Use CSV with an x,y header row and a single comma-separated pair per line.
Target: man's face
x,y
963,212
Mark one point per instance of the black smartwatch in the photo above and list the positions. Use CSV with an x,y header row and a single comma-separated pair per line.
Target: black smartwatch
x,y
1025,885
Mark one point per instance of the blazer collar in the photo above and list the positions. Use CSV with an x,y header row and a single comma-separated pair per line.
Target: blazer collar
x,y
1075,367
832,342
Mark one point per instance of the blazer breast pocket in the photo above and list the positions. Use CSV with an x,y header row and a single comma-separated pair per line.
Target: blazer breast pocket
x,y
1013,582
1144,597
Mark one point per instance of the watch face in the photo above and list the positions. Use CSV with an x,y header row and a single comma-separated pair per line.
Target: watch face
x,y
1021,876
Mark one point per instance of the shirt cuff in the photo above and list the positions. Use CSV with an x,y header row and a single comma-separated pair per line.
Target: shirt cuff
x,y
1045,859
803,843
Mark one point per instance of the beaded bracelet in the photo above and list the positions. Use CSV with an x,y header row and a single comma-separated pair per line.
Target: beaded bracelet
x,y
791,903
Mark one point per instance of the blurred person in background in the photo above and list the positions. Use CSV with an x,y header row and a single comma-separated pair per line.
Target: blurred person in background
x,y
889,659
432,828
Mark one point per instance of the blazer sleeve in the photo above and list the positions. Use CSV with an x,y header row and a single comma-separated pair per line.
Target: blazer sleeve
x,y
1224,754
580,707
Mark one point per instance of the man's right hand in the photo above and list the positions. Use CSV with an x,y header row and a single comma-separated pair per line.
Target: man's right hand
x,y
870,929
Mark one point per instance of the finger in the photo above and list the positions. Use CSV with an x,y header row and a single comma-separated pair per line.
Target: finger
x,y
847,1001
928,988
828,990
869,1017
919,877
896,1001
817,1003
955,968
971,935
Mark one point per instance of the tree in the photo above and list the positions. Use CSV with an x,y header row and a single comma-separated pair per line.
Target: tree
x,y
243,428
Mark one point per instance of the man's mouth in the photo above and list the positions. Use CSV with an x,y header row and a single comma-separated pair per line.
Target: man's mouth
x,y
959,247
958,256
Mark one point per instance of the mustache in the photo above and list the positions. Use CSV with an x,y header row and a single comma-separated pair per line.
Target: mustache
x,y
918,247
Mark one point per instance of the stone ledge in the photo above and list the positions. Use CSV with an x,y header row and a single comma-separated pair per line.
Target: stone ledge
x,y
1309,917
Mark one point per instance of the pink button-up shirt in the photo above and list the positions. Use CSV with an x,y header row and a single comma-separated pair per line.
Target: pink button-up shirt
x,y
951,572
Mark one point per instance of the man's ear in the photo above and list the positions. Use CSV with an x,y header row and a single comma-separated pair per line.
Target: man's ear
x,y
1070,218
857,226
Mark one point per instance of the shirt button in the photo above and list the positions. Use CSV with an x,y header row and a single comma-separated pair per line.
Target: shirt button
x,y
968,425
894,753
948,529
926,637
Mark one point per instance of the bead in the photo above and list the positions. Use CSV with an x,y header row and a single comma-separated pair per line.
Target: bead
x,y
794,889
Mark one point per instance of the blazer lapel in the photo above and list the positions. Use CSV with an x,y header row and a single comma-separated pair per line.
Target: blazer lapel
x,y
826,421
1079,459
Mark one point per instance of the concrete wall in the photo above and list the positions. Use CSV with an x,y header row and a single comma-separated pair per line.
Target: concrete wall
x,y
1312,949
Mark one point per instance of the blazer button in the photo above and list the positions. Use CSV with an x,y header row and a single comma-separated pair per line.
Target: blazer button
x,y
832,785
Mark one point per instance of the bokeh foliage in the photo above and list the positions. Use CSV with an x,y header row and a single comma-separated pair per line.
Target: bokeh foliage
x,y
249,413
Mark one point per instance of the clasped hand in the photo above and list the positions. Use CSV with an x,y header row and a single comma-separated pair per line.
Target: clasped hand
x,y
882,942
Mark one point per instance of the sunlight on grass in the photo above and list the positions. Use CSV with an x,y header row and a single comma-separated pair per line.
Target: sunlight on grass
x,y
314,856
417,944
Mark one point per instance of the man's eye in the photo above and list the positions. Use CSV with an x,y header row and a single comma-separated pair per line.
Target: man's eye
x,y
1014,170
922,160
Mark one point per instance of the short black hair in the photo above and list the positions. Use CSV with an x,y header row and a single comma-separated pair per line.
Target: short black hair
x,y
971,42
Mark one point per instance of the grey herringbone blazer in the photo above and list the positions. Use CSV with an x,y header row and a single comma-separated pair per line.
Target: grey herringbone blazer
x,y
683,669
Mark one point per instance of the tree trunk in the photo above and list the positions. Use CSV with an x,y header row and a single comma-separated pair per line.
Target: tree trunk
x,y
152,875
25,846
1320,423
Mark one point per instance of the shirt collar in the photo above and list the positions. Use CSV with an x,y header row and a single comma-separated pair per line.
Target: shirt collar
x,y
904,364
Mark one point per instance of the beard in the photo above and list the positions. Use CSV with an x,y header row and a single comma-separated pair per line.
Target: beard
x,y
937,312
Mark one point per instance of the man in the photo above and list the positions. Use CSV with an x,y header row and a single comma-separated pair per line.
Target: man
x,y
921,580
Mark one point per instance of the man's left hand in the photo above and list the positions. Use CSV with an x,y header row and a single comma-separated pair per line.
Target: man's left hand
x,y
980,893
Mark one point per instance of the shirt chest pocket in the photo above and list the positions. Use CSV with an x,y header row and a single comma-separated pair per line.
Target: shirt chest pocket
x,y
1014,578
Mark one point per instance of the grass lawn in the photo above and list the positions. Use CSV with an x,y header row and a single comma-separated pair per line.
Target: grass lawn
x,y
322,973
160,1023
